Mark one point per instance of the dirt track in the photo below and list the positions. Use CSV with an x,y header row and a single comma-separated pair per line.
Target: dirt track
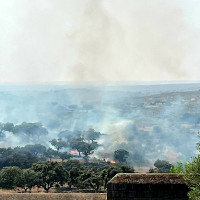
x,y
54,196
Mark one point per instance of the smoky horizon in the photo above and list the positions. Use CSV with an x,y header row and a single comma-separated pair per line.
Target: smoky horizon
x,y
92,40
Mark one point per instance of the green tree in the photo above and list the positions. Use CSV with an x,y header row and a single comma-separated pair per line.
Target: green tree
x,y
92,135
178,169
16,157
8,177
127,169
76,143
74,175
26,180
83,147
58,144
153,170
35,149
94,181
162,166
64,155
90,178
22,159
121,155
192,175
49,174
68,165
31,131
87,149
108,173
50,153
5,152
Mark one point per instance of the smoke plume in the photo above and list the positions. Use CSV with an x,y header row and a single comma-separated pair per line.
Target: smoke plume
x,y
154,40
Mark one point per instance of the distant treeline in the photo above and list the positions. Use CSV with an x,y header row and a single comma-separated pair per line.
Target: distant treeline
x,y
64,161
27,166
27,132
72,173
67,144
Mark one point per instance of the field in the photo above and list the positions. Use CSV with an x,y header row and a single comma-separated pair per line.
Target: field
x,y
53,196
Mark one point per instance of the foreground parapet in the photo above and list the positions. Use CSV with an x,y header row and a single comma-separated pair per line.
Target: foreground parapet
x,y
130,186
53,196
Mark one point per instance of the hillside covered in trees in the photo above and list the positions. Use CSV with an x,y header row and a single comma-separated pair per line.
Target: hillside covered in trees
x,y
150,122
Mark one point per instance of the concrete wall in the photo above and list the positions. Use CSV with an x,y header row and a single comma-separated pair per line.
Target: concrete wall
x,y
147,186
53,196
147,192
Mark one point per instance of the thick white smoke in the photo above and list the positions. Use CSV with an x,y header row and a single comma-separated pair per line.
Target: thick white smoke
x,y
99,40
153,41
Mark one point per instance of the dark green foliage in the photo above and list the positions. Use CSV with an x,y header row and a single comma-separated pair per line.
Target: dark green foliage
x,y
30,131
86,149
22,159
83,147
50,153
76,143
64,155
49,174
121,155
5,152
192,177
27,179
127,169
58,144
9,176
92,135
73,163
91,178
16,157
86,178
162,166
153,170
35,149
74,174
108,173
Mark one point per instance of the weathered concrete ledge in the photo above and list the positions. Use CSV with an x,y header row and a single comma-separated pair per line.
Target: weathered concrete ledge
x,y
149,178
53,196
130,186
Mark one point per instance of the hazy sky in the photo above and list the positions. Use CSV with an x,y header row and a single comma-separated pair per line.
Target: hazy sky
x,y
99,40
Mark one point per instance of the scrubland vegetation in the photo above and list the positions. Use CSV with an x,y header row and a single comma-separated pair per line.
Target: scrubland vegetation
x,y
66,165
36,166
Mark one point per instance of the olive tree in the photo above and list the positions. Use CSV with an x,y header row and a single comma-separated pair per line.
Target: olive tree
x,y
49,174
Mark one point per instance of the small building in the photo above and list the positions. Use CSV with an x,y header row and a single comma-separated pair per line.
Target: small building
x,y
130,186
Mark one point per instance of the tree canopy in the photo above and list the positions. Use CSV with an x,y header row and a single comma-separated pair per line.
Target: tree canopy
x,y
121,155
49,174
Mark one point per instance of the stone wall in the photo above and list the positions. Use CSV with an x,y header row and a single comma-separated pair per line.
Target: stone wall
x,y
145,188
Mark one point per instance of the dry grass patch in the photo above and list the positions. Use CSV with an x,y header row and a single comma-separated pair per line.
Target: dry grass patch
x,y
54,196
